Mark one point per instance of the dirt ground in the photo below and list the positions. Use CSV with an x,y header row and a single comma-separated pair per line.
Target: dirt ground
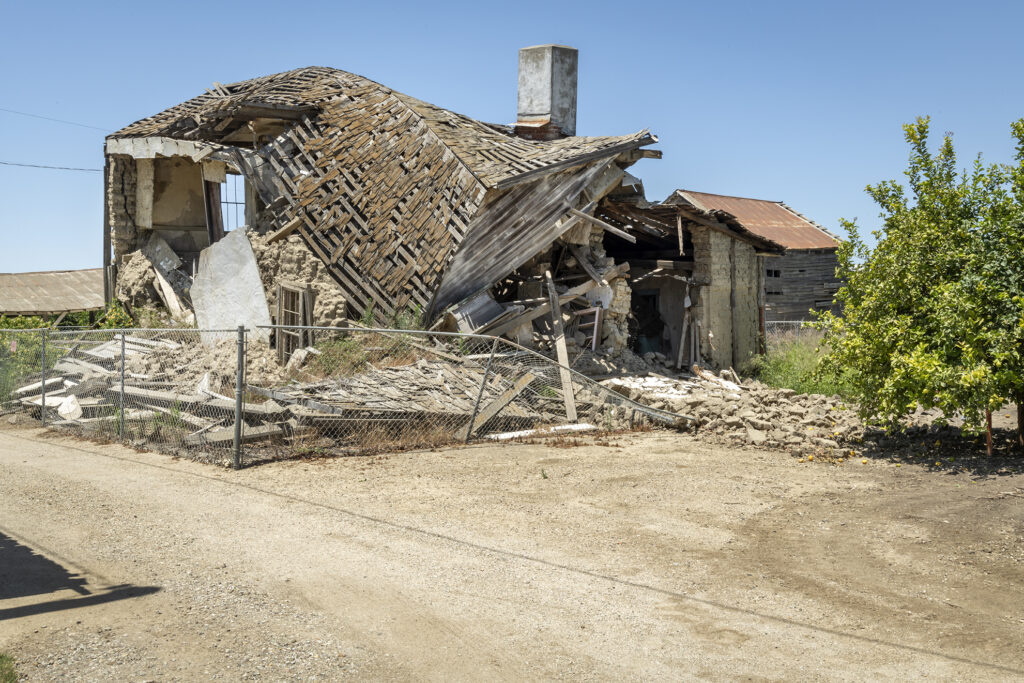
x,y
637,557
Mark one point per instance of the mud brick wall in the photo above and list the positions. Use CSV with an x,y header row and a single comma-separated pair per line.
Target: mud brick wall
x,y
120,196
291,261
711,263
745,319
728,306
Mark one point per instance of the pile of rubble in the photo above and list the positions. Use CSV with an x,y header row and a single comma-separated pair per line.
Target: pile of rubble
x,y
737,413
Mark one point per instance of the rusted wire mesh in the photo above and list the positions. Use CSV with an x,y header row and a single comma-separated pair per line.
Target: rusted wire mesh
x,y
340,392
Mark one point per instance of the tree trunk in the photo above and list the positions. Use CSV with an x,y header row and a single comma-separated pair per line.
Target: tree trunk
x,y
1020,424
988,431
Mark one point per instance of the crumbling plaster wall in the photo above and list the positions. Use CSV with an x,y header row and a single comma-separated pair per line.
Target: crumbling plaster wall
x,y
711,264
291,261
745,319
728,308
120,196
615,317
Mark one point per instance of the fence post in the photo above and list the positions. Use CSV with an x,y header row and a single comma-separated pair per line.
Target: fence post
x,y
123,335
239,384
480,395
42,408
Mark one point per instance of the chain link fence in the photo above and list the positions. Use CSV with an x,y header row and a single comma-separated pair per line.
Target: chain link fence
x,y
784,331
231,396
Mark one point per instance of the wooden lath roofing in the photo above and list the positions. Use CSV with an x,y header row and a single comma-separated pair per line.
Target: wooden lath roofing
x,y
492,153
383,187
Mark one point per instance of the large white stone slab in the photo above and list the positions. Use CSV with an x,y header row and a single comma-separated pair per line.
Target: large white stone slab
x,y
227,291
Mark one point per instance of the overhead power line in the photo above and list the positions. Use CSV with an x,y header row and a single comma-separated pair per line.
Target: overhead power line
x,y
55,168
48,118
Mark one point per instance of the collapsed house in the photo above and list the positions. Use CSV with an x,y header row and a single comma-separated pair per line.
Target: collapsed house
x,y
804,278
357,198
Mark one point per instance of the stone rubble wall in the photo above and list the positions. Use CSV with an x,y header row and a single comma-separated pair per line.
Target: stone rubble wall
x,y
291,261
121,180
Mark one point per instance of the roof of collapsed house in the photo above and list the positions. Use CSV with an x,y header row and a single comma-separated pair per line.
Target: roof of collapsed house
x,y
51,292
389,191
772,220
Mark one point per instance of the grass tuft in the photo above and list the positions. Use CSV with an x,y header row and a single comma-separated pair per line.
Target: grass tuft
x,y
7,672
792,361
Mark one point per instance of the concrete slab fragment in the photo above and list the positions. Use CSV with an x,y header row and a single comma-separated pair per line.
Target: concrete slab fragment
x,y
227,291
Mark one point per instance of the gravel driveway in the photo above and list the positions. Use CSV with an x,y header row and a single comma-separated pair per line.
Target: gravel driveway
x,y
649,556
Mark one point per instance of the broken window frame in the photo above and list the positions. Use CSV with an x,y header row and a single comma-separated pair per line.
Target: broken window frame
x,y
295,313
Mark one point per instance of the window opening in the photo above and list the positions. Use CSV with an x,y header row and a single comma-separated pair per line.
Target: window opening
x,y
232,201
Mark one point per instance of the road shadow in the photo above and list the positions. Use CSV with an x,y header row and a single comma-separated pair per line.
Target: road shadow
x,y
24,572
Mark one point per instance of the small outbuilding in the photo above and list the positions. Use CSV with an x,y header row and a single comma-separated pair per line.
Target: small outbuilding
x,y
801,280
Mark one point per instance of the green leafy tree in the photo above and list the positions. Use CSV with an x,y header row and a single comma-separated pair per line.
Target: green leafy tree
x,y
932,315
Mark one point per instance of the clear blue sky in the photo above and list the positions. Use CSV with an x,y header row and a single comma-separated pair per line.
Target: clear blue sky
x,y
793,101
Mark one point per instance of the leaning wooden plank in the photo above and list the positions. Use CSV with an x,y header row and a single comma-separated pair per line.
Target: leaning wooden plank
x,y
608,227
226,436
287,229
562,352
187,417
495,406
586,265
77,366
151,397
38,386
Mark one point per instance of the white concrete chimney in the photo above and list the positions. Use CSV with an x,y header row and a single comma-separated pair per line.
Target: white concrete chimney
x,y
547,91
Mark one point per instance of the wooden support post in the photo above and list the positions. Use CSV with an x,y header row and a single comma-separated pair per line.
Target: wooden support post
x,y
682,335
563,353
679,229
495,406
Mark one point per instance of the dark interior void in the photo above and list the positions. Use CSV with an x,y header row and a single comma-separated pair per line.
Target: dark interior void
x,y
646,326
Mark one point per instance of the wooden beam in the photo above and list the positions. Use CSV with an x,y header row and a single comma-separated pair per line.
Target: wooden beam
x,y
287,229
560,350
586,265
608,227
495,406
679,229
255,110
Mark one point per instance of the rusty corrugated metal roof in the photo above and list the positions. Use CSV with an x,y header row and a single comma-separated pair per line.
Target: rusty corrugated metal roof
x,y
772,220
51,292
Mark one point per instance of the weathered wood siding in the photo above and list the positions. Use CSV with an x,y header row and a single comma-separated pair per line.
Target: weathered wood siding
x,y
806,281
509,229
